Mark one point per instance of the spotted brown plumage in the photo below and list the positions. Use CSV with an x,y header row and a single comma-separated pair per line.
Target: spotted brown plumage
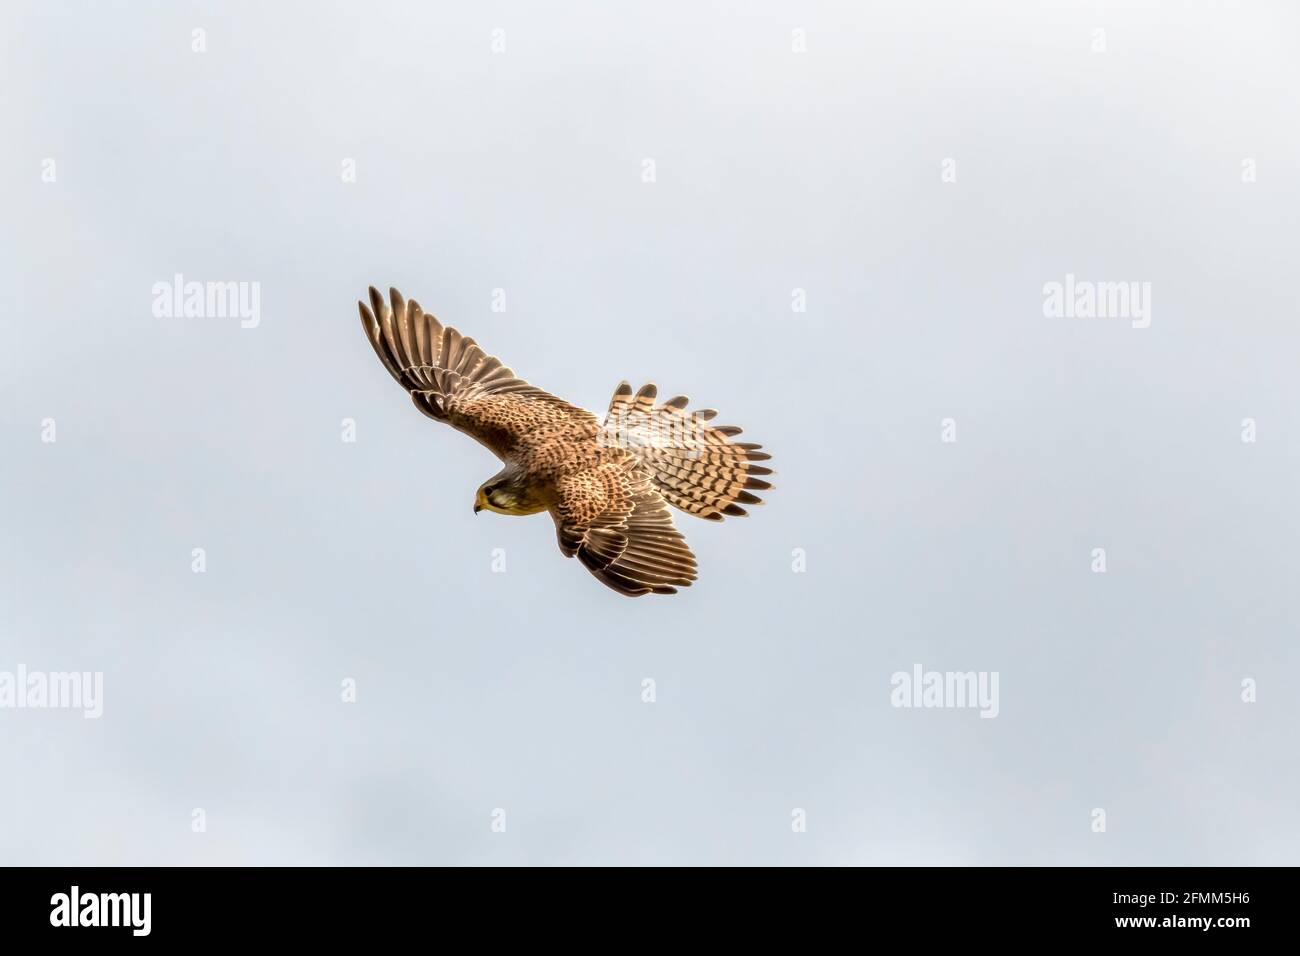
x,y
607,485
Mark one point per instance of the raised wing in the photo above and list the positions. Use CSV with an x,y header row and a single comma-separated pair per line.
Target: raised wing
x,y
617,525
452,380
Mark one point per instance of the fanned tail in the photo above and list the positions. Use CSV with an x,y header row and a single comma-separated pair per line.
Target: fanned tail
x,y
694,465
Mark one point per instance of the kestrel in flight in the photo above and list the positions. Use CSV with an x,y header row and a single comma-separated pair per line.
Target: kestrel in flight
x,y
606,484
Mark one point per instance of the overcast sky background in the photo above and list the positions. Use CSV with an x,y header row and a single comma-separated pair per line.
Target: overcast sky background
x,y
522,170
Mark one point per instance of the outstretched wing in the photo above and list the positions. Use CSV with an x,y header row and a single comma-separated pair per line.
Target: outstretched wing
x,y
617,525
452,380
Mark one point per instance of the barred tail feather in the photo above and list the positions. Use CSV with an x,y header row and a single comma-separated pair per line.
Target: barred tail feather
x,y
695,466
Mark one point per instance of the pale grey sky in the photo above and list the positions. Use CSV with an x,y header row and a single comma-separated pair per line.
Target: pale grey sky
x,y
776,170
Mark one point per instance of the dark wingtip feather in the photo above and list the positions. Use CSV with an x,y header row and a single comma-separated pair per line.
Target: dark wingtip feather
x,y
735,511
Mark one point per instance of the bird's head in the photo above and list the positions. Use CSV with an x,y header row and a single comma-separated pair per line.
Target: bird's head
x,y
506,496
481,499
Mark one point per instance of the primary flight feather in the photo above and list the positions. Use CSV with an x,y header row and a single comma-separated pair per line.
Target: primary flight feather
x,y
607,485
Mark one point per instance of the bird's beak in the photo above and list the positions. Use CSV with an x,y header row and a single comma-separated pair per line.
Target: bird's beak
x,y
478,508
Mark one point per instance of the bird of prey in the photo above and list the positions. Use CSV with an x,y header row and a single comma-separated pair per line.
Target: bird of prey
x,y
607,485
